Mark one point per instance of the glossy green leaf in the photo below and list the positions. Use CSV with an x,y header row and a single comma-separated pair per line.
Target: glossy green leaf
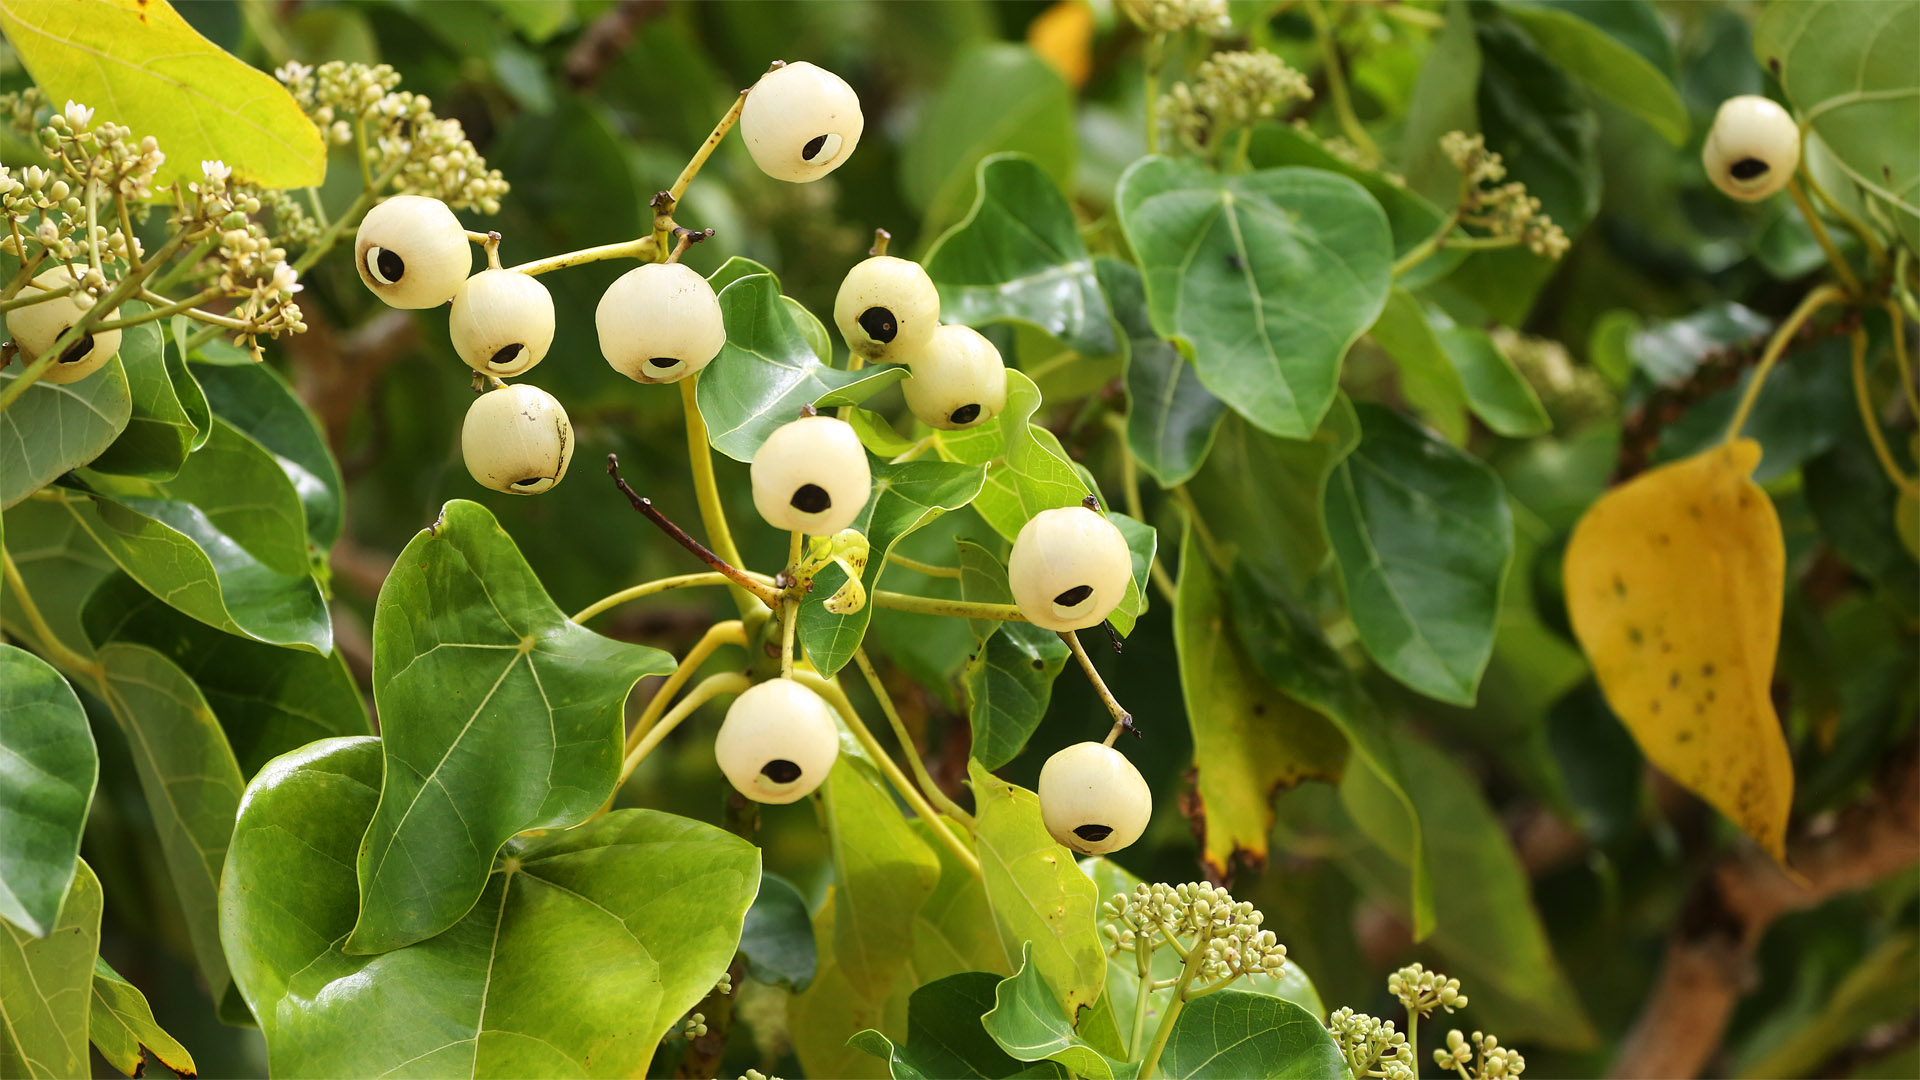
x,y
1171,418
140,64
1410,217
878,379
498,715
1028,1022
1264,278
777,939
953,931
122,1028
905,497
258,401
1018,256
51,429
64,565
877,435
224,541
1263,496
1143,544
1443,100
268,700
765,372
1422,536
189,778
1009,678
43,1014
161,430
588,945
1038,895
1032,472
997,97
1288,647
1613,70
882,871
823,1018
48,765
945,1039
1236,1035
1849,73
1496,391
1249,740
1428,380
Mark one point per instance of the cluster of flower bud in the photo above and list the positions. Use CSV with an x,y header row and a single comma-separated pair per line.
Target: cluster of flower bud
x,y
1230,90
694,1026
1422,991
1501,208
1173,16
1198,916
1372,1047
420,153
1482,1058
1573,393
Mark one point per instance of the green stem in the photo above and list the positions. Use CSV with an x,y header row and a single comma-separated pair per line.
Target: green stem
x,y
1876,251
713,516
1777,344
56,650
706,148
709,688
1143,962
1424,250
732,632
790,607
1878,438
170,307
1122,719
642,248
919,567
1413,1039
1160,1036
1242,151
830,690
184,267
40,297
1156,55
1337,85
1840,268
932,790
933,605
647,588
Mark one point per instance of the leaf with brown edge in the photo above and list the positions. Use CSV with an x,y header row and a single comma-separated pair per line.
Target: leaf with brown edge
x,y
1674,586
1249,739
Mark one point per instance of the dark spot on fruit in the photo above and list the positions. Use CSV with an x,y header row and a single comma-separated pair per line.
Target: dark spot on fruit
x,y
505,357
528,483
78,350
879,324
811,499
780,771
965,414
1748,169
1093,834
661,362
390,264
813,147
1074,596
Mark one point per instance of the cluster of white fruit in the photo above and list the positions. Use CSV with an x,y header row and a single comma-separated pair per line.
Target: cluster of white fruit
x,y
661,322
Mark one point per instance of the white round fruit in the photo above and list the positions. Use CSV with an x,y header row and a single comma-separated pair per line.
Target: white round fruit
x,y
517,439
811,475
887,309
660,322
1069,568
1093,800
1752,149
778,742
412,252
958,380
800,122
502,322
36,327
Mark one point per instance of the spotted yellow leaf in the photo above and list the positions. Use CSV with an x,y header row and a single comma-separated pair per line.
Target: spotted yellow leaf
x,y
1674,584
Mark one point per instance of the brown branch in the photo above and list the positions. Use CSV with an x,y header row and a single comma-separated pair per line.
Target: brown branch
x,y
606,38
1709,962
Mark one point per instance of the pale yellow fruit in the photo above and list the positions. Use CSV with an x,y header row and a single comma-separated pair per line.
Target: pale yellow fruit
x,y
811,475
778,742
502,322
887,309
1093,800
1069,568
36,327
958,380
412,252
1752,149
517,439
800,122
660,322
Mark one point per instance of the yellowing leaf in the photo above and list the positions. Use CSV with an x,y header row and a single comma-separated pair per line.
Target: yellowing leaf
x,y
1674,585
138,63
1063,36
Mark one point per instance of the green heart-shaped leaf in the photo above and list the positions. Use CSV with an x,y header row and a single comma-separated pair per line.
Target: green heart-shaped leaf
x,y
1422,535
1018,256
498,715
44,734
882,873
1171,418
587,945
51,429
1264,278
777,940
255,399
1236,1035
945,1038
1009,679
1028,1023
163,427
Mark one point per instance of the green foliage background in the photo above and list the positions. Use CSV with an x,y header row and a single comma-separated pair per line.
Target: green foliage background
x,y
1555,863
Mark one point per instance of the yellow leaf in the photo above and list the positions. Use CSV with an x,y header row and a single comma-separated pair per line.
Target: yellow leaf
x,y
138,63
1674,585
1063,36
